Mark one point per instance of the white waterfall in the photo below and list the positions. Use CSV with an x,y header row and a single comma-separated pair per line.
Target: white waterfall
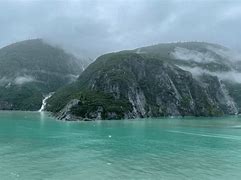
x,y
44,101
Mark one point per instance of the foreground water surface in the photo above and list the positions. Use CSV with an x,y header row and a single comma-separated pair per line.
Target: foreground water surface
x,y
35,146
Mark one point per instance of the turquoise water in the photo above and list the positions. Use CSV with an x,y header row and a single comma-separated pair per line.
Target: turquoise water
x,y
34,146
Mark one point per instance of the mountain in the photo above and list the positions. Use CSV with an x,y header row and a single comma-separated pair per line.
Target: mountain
x,y
162,80
203,58
31,69
210,57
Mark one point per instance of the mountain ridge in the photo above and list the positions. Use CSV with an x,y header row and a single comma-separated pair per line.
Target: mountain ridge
x,y
148,85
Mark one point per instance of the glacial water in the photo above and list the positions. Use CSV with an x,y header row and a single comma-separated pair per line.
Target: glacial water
x,y
34,146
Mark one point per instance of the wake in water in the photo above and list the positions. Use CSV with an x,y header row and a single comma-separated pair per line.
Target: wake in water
x,y
223,136
44,102
236,127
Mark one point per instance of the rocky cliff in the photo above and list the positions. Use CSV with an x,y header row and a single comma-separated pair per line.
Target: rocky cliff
x,y
135,83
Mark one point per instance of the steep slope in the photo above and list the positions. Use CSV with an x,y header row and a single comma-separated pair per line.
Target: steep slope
x,y
129,84
31,69
201,58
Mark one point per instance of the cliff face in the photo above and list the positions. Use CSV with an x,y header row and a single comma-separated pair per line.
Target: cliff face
x,y
130,85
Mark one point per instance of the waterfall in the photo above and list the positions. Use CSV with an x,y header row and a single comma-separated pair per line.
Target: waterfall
x,y
44,101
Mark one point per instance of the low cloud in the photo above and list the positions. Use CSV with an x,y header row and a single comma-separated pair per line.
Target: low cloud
x,y
228,54
192,55
4,81
232,76
23,80
90,28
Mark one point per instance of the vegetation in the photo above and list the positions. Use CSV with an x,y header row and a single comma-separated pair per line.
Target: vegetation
x,y
142,82
91,101
110,82
31,69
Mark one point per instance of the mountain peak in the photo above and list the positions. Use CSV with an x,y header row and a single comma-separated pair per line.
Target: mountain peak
x,y
30,69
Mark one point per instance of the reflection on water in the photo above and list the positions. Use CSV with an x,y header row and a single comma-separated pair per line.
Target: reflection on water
x,y
42,117
35,146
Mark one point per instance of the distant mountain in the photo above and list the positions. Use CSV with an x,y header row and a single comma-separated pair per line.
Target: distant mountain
x,y
31,69
161,80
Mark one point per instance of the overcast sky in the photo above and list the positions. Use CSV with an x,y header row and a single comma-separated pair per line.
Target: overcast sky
x,y
93,27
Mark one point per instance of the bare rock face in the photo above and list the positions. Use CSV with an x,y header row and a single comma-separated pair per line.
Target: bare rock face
x,y
65,113
4,105
128,85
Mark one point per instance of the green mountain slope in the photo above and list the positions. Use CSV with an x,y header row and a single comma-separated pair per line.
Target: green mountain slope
x,y
31,69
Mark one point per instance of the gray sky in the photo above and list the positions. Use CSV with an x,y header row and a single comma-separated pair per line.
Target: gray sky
x,y
93,27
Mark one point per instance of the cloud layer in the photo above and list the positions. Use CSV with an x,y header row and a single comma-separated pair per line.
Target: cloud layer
x,y
187,55
90,28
